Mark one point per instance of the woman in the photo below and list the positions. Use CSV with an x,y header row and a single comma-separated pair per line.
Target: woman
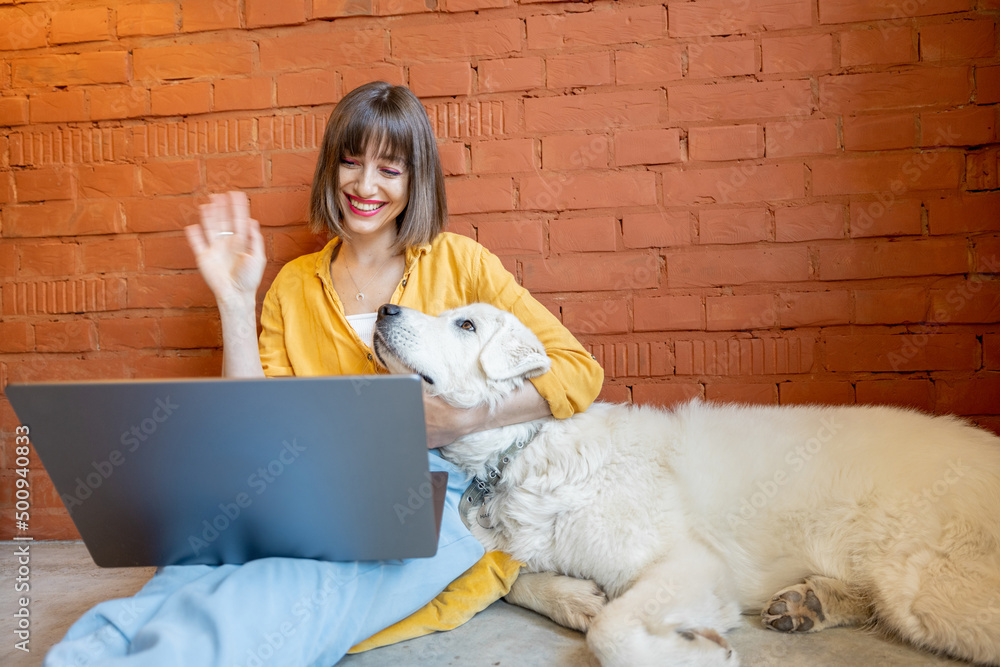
x,y
379,190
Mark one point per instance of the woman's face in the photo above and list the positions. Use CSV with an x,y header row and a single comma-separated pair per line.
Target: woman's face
x,y
373,191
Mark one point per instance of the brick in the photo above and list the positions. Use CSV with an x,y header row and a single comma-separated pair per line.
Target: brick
x,y
472,5
877,46
916,394
991,351
352,77
747,182
728,142
987,255
740,313
873,259
718,59
599,111
262,13
168,252
658,229
760,355
321,50
71,69
508,155
234,172
902,352
510,74
895,174
170,178
638,25
982,168
176,366
733,225
6,187
972,396
732,101
960,127
479,195
839,11
579,69
958,40
16,337
193,60
8,259
288,169
110,255
587,318
181,290
453,157
199,15
830,392
885,218
939,86
280,208
115,102
462,39
43,184
669,313
972,301
76,335
587,190
394,7
441,79
727,17
106,180
146,20
808,223
805,53
62,218
813,309
881,132
571,273
987,85
307,88
191,331
79,25
58,107
181,99
129,333
512,237
24,28
13,111
801,137
665,395
48,259
742,394
964,213
568,235
712,267
647,147
905,304
648,65
239,94
575,151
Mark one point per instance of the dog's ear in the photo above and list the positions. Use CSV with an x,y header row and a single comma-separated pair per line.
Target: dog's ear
x,y
513,352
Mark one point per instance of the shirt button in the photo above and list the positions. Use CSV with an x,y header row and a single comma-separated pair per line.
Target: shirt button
x,y
369,357
404,282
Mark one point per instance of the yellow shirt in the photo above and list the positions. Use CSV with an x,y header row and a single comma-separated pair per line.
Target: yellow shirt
x,y
305,331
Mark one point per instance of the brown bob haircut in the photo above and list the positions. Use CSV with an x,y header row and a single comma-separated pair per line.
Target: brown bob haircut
x,y
393,120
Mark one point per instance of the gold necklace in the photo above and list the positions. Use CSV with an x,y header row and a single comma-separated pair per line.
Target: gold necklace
x,y
360,291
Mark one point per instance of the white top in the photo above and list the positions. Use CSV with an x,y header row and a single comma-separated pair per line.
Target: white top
x,y
364,326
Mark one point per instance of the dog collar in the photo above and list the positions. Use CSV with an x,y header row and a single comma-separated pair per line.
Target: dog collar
x,y
481,488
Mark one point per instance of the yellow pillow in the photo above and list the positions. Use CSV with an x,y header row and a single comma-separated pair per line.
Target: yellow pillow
x,y
480,586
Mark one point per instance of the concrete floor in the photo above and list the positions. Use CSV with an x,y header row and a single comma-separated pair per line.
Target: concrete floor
x,y
65,583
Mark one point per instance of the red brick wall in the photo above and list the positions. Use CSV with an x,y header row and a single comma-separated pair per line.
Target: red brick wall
x,y
777,201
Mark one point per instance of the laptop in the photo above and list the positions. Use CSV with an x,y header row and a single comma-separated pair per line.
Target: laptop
x,y
210,471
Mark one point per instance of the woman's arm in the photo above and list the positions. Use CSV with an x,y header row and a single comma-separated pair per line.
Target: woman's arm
x,y
446,424
230,253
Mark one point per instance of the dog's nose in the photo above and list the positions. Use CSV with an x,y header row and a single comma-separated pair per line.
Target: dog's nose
x,y
388,310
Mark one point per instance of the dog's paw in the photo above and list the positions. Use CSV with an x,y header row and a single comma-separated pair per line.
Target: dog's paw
x,y
794,609
580,602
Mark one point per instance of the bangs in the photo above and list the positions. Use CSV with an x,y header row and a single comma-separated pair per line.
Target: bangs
x,y
379,128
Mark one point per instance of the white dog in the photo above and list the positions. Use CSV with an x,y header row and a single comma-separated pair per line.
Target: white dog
x,y
818,516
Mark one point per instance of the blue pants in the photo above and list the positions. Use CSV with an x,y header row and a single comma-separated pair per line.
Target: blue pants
x,y
272,611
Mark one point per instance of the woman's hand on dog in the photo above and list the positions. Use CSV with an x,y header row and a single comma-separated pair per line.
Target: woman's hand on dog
x,y
229,248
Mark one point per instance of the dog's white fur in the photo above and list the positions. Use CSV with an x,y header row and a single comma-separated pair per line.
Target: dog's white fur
x,y
813,516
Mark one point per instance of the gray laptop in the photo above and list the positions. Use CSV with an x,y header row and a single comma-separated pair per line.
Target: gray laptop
x,y
225,471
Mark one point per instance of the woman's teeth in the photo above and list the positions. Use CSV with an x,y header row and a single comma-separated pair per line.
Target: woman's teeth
x,y
365,207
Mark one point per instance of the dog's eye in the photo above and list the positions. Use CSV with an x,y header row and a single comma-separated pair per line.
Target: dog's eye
x,y
467,325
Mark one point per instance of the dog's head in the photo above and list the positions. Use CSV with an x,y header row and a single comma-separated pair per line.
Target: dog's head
x,y
468,356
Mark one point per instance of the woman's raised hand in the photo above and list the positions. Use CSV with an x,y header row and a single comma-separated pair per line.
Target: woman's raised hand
x,y
228,247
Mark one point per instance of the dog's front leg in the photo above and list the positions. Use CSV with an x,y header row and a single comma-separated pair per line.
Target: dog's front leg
x,y
566,600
